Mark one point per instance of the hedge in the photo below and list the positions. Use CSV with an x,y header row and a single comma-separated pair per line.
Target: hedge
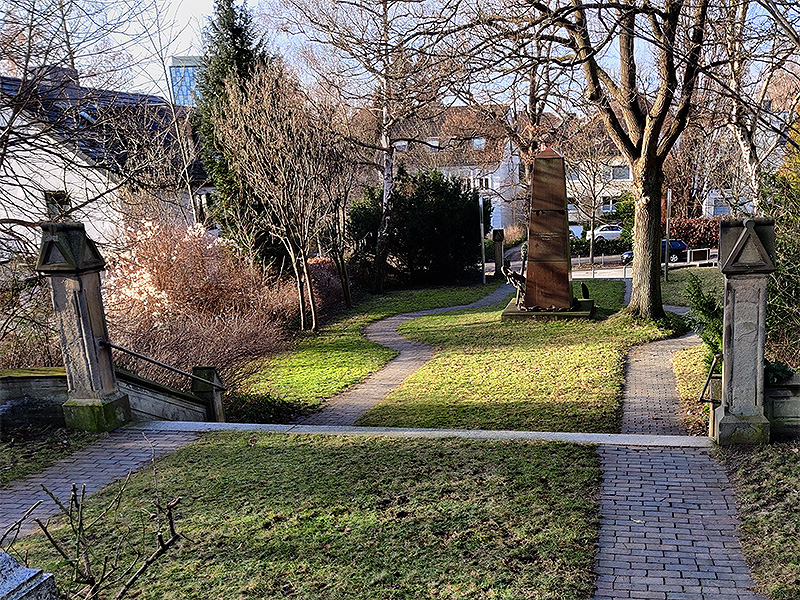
x,y
697,232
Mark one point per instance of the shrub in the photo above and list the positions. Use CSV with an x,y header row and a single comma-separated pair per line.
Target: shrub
x,y
181,296
705,316
782,202
580,247
27,334
697,232
434,238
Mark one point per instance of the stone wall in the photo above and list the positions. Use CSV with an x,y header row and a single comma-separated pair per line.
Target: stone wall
x,y
783,407
32,396
36,396
151,401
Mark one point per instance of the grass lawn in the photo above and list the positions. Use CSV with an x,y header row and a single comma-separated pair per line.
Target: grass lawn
x,y
323,364
530,375
318,517
28,450
673,291
767,483
690,376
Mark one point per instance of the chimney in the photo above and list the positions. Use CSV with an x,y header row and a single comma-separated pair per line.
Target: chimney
x,y
56,77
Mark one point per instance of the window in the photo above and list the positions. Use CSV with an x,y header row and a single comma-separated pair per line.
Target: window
x,y
573,173
432,144
608,204
484,183
479,143
621,173
57,205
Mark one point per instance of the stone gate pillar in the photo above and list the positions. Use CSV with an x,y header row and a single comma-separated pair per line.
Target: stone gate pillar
x,y
747,257
72,263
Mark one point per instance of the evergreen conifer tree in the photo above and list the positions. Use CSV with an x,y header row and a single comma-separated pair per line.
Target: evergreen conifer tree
x,y
232,51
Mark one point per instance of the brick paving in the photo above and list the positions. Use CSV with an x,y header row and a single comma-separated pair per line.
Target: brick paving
x,y
669,528
97,466
651,405
345,408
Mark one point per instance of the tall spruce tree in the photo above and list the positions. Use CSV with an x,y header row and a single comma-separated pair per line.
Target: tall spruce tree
x,y
232,50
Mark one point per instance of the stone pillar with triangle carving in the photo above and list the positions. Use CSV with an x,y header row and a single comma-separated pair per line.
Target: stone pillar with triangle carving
x,y
747,257
72,263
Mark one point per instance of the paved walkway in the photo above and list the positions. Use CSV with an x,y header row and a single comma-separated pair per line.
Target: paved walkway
x,y
651,406
345,408
668,515
97,466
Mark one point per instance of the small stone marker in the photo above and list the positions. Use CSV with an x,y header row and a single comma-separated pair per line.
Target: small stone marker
x,y
498,237
747,257
72,263
18,582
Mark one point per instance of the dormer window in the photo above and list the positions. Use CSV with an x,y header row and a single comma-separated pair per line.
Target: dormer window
x,y
479,143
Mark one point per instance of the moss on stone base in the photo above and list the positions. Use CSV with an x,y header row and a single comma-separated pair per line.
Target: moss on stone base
x,y
97,415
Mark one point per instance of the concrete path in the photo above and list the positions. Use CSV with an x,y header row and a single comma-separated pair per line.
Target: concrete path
x,y
97,466
345,408
668,515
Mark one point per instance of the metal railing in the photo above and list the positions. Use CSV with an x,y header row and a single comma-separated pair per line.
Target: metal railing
x,y
703,398
163,365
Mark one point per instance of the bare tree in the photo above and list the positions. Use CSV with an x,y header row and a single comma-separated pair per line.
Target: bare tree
x,y
761,81
386,66
590,156
67,149
645,103
268,128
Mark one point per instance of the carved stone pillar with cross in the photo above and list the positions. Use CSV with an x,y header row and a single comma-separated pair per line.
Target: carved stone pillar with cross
x,y
747,257
72,263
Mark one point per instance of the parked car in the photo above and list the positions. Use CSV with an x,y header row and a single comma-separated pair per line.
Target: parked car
x,y
678,251
611,231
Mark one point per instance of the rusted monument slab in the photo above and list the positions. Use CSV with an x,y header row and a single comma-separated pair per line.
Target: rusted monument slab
x,y
548,285
549,274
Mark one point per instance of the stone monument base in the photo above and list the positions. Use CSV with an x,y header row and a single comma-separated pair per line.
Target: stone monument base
x,y
18,582
581,309
731,429
97,414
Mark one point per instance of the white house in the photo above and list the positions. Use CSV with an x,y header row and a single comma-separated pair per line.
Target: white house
x,y
76,153
466,145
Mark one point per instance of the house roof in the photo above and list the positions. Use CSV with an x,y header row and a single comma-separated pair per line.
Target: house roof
x,y
108,127
453,136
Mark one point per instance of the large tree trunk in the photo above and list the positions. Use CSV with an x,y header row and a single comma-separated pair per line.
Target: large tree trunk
x,y
648,181
344,277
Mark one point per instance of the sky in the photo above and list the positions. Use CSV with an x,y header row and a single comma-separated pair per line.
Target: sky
x,y
190,17
183,23
187,18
